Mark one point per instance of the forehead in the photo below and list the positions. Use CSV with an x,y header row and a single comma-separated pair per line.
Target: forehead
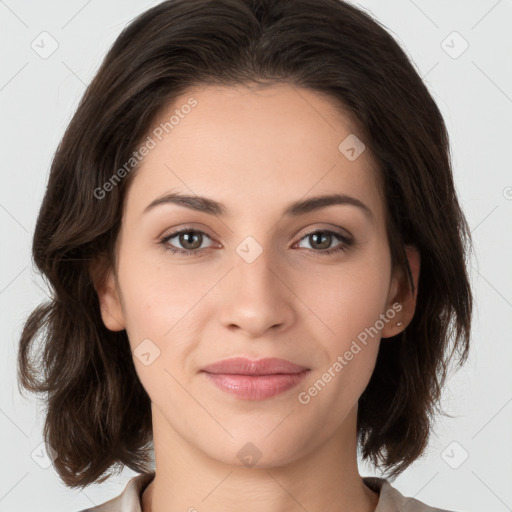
x,y
252,147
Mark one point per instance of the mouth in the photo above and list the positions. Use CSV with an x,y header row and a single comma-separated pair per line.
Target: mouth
x,y
245,366
255,380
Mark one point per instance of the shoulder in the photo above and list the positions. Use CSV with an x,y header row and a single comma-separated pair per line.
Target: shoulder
x,y
129,499
392,500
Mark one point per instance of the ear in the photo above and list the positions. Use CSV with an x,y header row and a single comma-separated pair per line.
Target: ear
x,y
105,284
401,295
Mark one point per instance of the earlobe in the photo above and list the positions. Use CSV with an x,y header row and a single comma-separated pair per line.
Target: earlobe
x,y
404,295
108,296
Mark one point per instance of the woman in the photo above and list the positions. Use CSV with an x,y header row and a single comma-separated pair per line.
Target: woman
x,y
258,260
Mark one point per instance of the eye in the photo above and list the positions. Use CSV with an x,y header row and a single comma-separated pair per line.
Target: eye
x,y
322,240
190,239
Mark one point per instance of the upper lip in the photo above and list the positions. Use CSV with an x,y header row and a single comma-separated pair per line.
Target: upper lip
x,y
244,366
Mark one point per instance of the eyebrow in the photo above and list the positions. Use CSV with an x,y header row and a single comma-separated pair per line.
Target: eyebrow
x,y
301,207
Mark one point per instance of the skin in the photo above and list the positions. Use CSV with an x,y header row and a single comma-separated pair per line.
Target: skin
x,y
255,151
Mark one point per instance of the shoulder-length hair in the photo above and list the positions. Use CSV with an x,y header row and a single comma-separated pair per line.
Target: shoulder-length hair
x,y
98,414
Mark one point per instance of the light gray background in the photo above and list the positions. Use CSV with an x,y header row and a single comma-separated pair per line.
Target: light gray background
x,y
474,91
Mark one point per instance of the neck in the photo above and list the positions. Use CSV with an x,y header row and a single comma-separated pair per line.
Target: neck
x,y
323,479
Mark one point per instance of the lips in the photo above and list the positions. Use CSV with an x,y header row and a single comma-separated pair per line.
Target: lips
x,y
254,380
244,366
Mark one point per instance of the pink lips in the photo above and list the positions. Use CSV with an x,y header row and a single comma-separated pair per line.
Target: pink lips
x,y
255,380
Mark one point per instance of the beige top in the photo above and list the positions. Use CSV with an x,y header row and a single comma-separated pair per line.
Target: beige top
x,y
390,499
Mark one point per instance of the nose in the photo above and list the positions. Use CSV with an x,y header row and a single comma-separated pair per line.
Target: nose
x,y
255,297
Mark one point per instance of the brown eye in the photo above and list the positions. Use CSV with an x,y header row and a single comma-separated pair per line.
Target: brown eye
x,y
190,240
321,241
187,241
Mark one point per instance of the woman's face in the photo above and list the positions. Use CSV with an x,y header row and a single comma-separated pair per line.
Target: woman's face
x,y
259,282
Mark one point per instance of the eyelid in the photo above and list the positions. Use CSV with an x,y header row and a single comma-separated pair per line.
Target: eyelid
x,y
342,233
184,227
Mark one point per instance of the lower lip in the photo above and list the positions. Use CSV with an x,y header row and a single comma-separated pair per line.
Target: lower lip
x,y
256,387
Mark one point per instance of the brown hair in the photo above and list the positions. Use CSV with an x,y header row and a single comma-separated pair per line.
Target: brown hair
x,y
98,413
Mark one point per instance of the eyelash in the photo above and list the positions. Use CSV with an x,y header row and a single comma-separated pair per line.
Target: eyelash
x,y
346,242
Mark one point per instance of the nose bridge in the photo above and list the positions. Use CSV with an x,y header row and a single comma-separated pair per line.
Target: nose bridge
x,y
255,299
254,270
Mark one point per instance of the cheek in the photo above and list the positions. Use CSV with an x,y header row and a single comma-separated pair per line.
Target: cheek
x,y
158,298
349,297
159,306
350,302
